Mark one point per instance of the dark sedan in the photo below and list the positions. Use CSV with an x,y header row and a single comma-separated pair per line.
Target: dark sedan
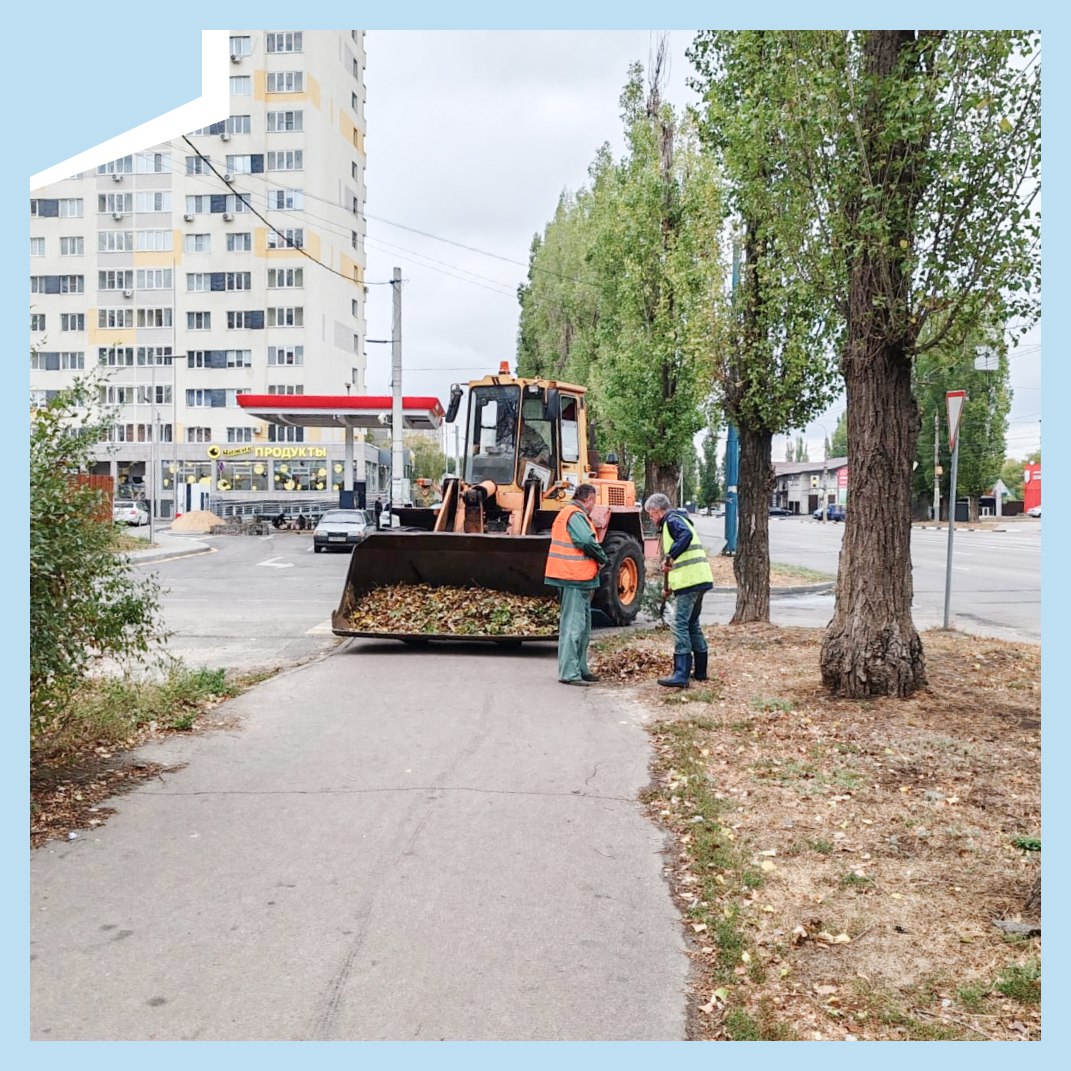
x,y
341,529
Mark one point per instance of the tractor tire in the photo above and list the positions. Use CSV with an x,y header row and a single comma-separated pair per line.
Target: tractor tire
x,y
621,580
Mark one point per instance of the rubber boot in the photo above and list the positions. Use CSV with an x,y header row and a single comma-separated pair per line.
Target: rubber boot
x,y
700,658
682,670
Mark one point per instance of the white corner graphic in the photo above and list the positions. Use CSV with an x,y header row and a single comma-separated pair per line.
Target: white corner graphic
x,y
212,106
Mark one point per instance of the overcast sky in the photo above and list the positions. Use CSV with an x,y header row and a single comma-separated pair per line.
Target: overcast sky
x,y
472,136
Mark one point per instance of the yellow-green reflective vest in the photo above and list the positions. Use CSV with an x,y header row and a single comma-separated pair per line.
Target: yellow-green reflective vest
x,y
693,566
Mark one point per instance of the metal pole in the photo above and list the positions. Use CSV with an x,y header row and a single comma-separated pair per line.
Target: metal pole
x,y
936,466
397,459
951,530
732,449
152,448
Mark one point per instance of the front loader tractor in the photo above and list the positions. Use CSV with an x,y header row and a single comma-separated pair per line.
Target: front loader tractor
x,y
525,453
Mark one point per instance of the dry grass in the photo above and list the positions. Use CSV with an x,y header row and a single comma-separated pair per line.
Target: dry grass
x,y
850,858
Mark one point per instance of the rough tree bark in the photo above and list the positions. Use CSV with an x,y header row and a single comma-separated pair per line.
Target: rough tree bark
x,y
871,646
662,478
751,565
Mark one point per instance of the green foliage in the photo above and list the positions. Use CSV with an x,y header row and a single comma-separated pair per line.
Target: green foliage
x,y
709,484
620,288
1028,844
983,421
838,445
1011,473
428,459
86,602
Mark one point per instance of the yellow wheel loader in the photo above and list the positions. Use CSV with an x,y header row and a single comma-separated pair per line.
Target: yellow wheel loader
x,y
526,451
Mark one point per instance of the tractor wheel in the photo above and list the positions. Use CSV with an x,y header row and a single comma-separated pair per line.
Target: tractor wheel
x,y
621,581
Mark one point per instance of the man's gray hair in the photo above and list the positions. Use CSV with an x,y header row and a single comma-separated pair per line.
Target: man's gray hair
x,y
658,501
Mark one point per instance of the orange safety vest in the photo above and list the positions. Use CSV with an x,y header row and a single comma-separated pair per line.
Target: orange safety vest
x,y
565,561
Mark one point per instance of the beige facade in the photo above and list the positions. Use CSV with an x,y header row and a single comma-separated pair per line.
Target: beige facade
x,y
229,261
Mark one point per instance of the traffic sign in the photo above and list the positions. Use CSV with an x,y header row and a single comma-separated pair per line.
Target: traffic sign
x,y
954,400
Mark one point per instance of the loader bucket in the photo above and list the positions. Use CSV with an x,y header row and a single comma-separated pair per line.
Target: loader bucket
x,y
508,563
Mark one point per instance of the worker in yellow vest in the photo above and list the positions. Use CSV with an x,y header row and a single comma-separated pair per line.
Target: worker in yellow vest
x,y
689,574
573,565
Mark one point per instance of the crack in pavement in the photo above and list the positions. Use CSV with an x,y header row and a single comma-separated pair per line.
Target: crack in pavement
x,y
575,792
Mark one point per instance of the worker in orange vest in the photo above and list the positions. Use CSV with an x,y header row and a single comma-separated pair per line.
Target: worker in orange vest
x,y
573,565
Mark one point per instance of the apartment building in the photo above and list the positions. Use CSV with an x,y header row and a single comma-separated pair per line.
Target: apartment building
x,y
224,262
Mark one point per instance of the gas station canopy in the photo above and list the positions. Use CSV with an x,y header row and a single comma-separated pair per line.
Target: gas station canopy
x,y
341,411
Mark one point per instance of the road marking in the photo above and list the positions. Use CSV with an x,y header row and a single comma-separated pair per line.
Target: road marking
x,y
322,629
274,563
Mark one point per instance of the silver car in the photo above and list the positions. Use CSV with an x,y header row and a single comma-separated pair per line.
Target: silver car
x,y
341,529
127,511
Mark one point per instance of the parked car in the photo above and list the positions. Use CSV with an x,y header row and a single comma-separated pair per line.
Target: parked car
x,y
127,511
833,512
341,529
1034,511
780,511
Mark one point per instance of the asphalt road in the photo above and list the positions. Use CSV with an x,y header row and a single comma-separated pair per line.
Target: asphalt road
x,y
996,575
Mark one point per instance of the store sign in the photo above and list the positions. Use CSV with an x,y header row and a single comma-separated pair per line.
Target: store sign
x,y
281,452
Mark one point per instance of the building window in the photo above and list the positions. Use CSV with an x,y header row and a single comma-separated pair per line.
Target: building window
x,y
280,434
198,399
72,321
238,124
285,200
237,202
116,356
74,360
154,317
290,238
115,280
197,282
239,242
293,355
241,46
115,241
158,394
286,388
37,321
286,278
198,359
198,165
241,85
122,203
198,321
287,41
154,241
72,284
232,396
198,203
117,395
37,284
74,246
242,318
198,435
286,317
158,355
198,243
239,358
240,164
355,104
239,435
115,317
154,278
123,166
152,163
285,121
355,307
70,207
285,160
153,201
37,247
286,82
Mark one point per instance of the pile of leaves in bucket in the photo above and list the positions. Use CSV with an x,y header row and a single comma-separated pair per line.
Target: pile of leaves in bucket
x,y
421,609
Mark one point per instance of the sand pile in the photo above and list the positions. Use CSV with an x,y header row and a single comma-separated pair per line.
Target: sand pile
x,y
198,520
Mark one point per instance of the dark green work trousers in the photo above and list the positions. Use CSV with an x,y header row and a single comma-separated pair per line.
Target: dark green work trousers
x,y
574,633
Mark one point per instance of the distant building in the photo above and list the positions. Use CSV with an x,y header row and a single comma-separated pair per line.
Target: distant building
x,y
804,486
1031,486
228,263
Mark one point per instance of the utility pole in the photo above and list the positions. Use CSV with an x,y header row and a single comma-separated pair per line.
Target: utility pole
x,y
936,467
954,401
397,457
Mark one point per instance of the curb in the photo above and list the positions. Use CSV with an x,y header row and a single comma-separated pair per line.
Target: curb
x,y
801,589
138,557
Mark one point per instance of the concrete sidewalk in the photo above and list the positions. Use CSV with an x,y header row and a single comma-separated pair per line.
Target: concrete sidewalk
x,y
387,845
168,544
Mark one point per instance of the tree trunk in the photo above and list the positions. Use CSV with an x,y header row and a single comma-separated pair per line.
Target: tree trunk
x,y
662,478
871,646
751,565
